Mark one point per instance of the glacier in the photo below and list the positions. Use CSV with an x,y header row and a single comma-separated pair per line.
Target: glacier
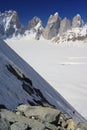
x,y
61,65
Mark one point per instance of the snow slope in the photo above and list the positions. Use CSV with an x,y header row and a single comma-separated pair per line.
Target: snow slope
x,y
63,65
19,83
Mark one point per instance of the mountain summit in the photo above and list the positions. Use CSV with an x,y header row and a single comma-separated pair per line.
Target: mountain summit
x,y
35,26
10,26
77,21
52,27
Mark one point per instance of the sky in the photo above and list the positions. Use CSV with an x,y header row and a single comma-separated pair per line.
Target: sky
x,y
27,9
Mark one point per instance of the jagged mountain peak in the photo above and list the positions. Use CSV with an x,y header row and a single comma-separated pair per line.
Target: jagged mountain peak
x,y
10,24
53,18
78,15
8,15
77,21
35,26
37,19
56,13
65,18
9,12
32,23
52,28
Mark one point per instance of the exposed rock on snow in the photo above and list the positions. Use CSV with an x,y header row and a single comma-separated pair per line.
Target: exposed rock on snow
x,y
38,98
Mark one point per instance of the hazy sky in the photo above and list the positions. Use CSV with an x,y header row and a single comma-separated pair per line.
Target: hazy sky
x,y
27,9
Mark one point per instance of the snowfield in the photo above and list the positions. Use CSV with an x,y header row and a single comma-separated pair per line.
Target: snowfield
x,y
63,65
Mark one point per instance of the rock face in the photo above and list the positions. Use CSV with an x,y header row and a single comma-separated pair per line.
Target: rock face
x,y
34,22
27,117
35,25
77,21
10,24
52,27
74,34
64,26
4,124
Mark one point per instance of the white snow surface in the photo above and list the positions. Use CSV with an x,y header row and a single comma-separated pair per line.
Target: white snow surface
x,y
63,65
12,92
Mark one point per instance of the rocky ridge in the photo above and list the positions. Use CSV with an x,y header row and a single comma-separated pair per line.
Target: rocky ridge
x,y
56,27
72,35
26,117
35,26
77,21
10,24
64,26
52,27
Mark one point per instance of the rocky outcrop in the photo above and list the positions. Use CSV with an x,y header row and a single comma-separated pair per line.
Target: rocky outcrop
x,y
4,124
52,27
27,117
38,33
27,86
77,21
10,24
64,26
34,22
35,25
75,34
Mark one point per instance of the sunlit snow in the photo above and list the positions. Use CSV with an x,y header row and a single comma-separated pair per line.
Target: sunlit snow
x,y
63,65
